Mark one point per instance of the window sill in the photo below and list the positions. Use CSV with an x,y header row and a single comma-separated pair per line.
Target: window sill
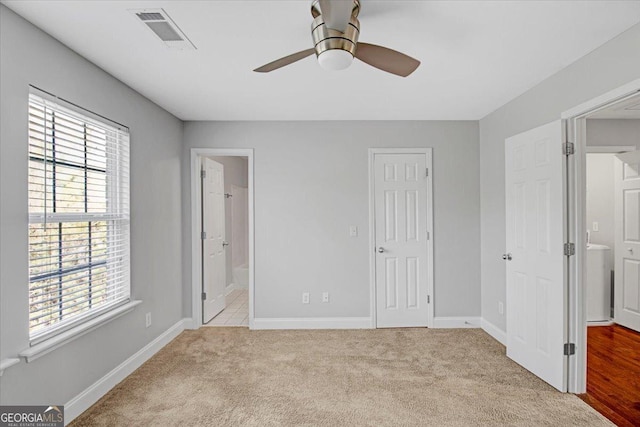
x,y
7,363
39,350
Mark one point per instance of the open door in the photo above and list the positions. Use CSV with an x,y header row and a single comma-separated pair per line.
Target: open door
x,y
627,241
535,257
214,265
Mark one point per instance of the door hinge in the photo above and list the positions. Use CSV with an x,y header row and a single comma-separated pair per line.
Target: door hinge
x,y
428,299
568,148
569,349
203,173
569,249
204,296
203,235
428,236
427,172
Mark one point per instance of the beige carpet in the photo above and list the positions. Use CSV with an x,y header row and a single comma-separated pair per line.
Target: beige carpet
x,y
393,377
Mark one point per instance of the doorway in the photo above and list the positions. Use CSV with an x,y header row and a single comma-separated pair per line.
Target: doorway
x,y
401,212
222,237
611,260
557,330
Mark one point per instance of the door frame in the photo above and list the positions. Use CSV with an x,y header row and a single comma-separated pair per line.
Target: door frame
x,y
428,152
575,119
196,213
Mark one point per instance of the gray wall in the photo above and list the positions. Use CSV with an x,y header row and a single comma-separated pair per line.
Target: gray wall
x,y
606,68
603,132
29,56
235,173
311,184
600,175
600,199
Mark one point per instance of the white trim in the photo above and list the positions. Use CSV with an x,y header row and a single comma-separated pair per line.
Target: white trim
x,y
7,363
497,333
576,128
232,287
94,392
456,322
313,323
603,100
39,350
610,148
187,322
428,152
196,259
600,323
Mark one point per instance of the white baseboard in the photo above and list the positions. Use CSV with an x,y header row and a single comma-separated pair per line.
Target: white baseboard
x,y
234,286
94,392
189,323
229,288
600,322
313,323
494,331
456,322
7,363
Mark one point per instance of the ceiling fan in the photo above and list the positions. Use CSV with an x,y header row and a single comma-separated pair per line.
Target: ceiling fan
x,y
335,31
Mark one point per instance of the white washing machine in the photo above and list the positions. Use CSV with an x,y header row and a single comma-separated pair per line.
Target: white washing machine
x,y
598,283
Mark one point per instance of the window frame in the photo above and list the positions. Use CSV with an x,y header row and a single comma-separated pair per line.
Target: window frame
x,y
116,218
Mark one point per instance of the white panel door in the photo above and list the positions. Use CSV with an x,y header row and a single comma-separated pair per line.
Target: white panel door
x,y
213,243
400,199
627,251
535,252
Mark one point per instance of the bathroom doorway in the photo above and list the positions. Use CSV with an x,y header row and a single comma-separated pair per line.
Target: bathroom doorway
x,y
234,210
222,224
611,281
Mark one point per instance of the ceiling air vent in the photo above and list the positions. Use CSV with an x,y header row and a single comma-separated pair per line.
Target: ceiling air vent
x,y
150,16
158,21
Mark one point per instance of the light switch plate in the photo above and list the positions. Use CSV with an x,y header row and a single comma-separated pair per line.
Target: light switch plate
x,y
353,231
595,226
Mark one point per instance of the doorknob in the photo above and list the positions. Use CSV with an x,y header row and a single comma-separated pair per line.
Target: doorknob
x,y
380,250
507,257
224,243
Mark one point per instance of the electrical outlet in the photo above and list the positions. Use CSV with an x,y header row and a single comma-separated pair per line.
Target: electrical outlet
x,y
305,298
595,226
500,307
353,231
325,297
147,320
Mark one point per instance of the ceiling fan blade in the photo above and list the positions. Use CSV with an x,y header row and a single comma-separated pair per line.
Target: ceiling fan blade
x,y
336,13
279,63
386,59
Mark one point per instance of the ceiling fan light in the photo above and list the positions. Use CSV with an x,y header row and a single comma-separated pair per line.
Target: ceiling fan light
x,y
335,59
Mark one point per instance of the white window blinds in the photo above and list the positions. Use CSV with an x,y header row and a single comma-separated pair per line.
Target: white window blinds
x,y
78,217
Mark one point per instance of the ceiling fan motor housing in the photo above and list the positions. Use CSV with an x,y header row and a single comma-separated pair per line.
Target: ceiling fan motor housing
x,y
325,38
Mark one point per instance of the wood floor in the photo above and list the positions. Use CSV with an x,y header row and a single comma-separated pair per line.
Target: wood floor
x,y
613,373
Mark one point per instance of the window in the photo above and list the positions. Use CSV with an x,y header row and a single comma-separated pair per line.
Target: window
x,y
78,217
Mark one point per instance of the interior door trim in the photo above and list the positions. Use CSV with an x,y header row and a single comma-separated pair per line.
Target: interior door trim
x,y
576,132
428,152
195,212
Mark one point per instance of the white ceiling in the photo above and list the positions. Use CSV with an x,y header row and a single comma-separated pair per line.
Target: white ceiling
x,y
476,55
